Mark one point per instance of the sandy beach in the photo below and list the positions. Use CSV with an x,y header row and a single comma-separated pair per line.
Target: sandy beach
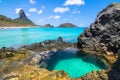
x,y
19,27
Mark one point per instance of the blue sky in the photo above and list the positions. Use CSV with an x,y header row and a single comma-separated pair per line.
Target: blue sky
x,y
79,12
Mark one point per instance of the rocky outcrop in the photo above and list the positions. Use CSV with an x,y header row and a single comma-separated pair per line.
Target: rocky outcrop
x,y
21,21
48,45
67,25
28,62
48,25
22,14
102,38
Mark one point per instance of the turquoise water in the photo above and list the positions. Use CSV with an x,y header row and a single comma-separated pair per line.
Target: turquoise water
x,y
22,36
62,60
73,65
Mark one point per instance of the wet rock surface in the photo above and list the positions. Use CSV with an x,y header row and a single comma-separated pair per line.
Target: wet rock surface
x,y
28,62
102,39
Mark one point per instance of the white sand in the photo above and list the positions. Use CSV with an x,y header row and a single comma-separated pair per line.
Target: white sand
x,y
19,27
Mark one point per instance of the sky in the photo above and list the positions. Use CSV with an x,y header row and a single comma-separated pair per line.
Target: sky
x,y
55,12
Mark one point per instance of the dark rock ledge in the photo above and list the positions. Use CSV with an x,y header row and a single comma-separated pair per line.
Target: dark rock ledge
x,y
29,58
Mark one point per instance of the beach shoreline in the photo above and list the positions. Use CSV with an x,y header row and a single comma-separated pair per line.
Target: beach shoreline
x,y
20,27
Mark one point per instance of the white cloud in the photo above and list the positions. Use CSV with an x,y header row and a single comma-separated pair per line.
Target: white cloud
x,y
27,14
61,9
32,1
40,11
53,17
32,10
17,10
74,2
56,17
75,11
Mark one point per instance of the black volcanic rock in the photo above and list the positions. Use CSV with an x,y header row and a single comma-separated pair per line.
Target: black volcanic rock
x,y
103,39
105,31
67,25
22,14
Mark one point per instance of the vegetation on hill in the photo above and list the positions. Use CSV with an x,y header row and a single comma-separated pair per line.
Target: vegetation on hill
x,y
21,21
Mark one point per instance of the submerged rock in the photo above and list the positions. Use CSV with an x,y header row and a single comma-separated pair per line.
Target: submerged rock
x,y
102,38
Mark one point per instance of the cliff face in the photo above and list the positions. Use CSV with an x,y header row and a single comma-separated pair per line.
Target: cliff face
x,y
103,38
22,14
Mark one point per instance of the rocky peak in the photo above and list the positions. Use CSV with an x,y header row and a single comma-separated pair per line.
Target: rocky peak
x,y
22,14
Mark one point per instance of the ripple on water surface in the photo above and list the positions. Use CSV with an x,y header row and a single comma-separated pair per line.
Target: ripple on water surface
x,y
73,65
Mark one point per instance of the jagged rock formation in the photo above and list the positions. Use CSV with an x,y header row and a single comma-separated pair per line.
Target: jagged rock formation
x,y
22,14
23,18
48,25
102,38
21,21
67,25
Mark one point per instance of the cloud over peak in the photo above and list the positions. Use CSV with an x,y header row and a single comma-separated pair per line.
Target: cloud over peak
x,y
61,9
17,10
74,2
32,10
40,11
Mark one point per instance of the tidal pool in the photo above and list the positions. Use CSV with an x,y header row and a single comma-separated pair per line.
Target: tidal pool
x,y
75,66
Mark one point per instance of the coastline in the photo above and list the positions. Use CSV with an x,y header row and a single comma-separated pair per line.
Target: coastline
x,y
20,27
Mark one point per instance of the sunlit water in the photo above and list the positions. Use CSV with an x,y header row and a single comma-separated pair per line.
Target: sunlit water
x,y
73,65
22,36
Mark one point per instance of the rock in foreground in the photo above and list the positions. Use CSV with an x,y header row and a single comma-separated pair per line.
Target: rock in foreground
x,y
29,62
102,38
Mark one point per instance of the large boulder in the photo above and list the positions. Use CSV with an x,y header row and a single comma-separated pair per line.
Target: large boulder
x,y
104,32
102,38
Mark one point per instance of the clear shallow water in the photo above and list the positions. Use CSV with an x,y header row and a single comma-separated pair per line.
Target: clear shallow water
x,y
65,60
22,36
73,65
